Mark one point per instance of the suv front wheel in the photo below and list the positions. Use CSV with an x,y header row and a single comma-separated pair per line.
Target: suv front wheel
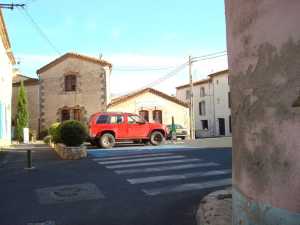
x,y
156,138
107,140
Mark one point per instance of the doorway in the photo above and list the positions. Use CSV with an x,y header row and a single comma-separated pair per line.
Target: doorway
x,y
221,126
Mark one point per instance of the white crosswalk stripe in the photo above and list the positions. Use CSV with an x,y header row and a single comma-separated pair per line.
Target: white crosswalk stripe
x,y
142,159
152,163
175,168
165,168
131,156
187,187
153,179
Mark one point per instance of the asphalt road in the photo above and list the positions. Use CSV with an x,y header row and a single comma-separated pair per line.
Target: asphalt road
x,y
125,186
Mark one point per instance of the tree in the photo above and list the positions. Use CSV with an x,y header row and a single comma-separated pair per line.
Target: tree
x,y
22,116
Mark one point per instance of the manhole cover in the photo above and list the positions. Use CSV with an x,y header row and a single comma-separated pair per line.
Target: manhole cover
x,y
69,193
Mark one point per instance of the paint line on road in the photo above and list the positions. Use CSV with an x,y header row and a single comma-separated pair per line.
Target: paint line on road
x,y
187,187
153,179
153,163
166,168
131,156
142,159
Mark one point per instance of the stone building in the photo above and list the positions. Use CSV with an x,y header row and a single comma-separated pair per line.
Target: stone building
x,y
211,104
73,86
31,86
153,105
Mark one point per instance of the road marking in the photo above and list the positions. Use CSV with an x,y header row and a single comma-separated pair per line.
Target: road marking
x,y
187,187
141,160
152,163
165,168
131,156
153,179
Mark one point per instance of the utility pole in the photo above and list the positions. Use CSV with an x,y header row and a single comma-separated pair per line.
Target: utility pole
x,y
192,124
11,6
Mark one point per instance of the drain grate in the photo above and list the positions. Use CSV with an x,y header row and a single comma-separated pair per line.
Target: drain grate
x,y
69,193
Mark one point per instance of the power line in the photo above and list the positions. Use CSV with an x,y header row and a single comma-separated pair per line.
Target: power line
x,y
40,31
136,69
10,6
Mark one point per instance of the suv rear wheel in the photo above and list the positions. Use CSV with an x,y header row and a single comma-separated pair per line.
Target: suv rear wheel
x,y
107,140
156,138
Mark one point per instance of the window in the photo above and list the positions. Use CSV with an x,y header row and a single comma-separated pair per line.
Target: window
x,y
218,100
77,114
202,108
204,124
157,116
187,94
65,114
217,81
202,92
70,83
116,119
144,114
229,100
103,119
230,124
134,119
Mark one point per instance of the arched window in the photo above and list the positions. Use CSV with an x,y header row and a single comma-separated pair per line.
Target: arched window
x,y
144,114
77,114
157,116
70,83
65,114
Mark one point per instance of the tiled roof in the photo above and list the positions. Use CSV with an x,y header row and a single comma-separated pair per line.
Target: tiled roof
x,y
74,55
121,99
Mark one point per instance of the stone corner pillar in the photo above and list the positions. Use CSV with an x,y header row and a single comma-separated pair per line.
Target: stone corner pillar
x,y
263,39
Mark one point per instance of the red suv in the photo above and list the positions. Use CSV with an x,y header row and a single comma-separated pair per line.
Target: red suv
x,y
108,127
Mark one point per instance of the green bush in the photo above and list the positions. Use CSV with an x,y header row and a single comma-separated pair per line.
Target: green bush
x,y
47,139
54,132
73,133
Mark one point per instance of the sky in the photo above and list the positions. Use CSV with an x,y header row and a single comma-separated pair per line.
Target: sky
x,y
143,39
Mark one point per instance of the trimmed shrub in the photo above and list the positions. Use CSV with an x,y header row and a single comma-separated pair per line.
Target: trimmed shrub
x,y
47,139
54,132
73,133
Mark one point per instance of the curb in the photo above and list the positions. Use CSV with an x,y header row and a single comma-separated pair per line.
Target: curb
x,y
215,208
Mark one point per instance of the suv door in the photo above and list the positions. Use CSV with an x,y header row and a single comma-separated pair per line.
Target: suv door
x,y
137,127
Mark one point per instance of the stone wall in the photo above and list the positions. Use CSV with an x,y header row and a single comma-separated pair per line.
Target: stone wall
x,y
90,94
70,153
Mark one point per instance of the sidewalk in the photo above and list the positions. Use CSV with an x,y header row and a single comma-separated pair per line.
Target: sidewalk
x,y
215,209
215,142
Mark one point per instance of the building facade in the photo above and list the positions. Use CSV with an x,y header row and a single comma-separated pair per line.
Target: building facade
x,y
6,73
73,86
211,99
31,86
153,105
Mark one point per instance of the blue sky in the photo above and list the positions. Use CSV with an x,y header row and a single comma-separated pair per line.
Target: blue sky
x,y
130,34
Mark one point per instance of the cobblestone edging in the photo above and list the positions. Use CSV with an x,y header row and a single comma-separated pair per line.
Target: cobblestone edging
x,y
215,209
70,153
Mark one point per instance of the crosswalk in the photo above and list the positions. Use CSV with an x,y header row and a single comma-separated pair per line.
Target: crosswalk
x,y
159,169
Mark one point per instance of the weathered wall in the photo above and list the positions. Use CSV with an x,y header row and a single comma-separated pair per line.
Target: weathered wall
x,y
90,92
264,61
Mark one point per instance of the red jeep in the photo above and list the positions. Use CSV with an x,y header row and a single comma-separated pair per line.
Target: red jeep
x,y
105,128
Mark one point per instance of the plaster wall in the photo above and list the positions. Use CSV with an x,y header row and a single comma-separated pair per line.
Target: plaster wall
x,y
263,39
